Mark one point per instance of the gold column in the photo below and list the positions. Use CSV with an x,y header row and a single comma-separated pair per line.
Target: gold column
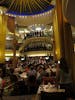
x,y
56,40
60,26
65,35
3,30
11,27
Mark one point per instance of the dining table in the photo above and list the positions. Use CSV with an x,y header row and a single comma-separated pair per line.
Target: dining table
x,y
50,91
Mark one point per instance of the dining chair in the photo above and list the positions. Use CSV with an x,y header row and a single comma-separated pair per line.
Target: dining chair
x,y
53,96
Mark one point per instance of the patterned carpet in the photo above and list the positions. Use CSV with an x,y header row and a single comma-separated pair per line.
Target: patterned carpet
x,y
26,97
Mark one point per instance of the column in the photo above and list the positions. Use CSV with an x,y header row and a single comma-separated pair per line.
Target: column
x,y
60,26
69,53
68,44
65,34
56,38
11,27
3,30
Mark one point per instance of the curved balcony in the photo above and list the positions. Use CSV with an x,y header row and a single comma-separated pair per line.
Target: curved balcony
x,y
35,39
37,49
37,34
38,53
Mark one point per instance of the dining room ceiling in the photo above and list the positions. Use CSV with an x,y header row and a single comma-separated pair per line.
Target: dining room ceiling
x,y
45,19
27,7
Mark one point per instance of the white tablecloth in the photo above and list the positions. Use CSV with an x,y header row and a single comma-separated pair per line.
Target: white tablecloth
x,y
49,88
23,75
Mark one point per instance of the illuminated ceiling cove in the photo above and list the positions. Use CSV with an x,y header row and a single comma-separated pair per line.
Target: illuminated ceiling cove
x,y
27,7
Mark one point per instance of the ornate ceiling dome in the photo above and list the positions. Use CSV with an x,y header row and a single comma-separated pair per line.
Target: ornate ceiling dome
x,y
26,7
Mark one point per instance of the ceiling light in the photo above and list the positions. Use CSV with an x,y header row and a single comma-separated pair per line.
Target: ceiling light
x,y
10,54
33,55
8,38
7,58
38,29
51,28
1,12
22,59
21,31
46,58
26,31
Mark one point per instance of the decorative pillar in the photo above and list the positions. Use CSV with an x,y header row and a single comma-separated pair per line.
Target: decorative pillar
x,y
68,44
56,40
60,26
3,30
65,34
11,27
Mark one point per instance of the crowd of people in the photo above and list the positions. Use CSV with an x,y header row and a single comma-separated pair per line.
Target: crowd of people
x,y
25,78
33,71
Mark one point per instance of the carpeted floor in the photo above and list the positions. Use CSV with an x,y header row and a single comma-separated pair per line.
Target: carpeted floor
x,y
26,97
